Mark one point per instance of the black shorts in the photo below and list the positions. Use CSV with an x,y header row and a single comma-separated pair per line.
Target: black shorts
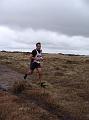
x,y
34,65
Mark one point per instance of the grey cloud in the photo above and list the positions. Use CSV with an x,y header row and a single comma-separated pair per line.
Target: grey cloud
x,y
25,40
68,17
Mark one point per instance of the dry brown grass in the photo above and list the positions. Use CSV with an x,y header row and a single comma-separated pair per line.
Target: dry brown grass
x,y
19,86
67,94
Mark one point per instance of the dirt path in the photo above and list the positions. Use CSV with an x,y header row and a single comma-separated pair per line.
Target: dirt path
x,y
8,77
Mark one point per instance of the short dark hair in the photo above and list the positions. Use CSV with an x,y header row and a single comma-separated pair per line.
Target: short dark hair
x,y
38,43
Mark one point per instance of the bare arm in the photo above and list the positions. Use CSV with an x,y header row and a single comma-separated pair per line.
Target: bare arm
x,y
34,58
31,57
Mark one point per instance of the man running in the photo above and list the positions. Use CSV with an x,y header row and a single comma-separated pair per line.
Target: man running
x,y
36,58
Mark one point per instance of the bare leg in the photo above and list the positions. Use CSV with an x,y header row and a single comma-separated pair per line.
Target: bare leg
x,y
29,72
39,70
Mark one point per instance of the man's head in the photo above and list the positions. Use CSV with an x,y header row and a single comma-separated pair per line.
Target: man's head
x,y
38,46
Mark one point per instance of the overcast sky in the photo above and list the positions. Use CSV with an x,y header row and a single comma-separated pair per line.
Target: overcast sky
x,y
61,25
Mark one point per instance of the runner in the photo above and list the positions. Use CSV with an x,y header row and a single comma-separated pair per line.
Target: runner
x,y
36,58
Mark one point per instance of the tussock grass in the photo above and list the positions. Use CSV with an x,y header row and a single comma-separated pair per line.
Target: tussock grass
x,y
67,79
20,85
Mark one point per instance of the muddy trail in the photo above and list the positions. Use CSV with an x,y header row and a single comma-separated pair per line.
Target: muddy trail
x,y
58,113
7,79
